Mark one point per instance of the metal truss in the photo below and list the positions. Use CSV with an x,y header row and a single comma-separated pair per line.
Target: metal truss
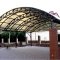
x,y
27,19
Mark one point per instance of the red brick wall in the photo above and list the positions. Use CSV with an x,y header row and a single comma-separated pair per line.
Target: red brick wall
x,y
59,53
53,44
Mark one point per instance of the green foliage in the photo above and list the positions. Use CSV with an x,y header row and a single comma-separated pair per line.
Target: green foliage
x,y
5,35
13,35
21,34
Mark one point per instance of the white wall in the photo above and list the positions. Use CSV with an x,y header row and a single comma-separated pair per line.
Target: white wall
x,y
44,35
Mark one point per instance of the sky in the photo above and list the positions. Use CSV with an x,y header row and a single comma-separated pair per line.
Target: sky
x,y
46,5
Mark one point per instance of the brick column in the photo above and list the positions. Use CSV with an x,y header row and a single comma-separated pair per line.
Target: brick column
x,y
53,44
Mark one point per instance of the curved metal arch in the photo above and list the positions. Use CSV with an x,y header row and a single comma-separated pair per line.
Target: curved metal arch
x,y
34,22
21,16
24,23
17,10
42,19
36,12
13,20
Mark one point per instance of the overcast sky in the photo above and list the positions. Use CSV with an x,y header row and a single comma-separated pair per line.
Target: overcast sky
x,y
46,5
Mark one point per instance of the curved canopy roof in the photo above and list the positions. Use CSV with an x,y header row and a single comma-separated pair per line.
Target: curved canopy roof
x,y
27,19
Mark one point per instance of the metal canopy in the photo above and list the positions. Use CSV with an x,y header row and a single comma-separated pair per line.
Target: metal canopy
x,y
27,19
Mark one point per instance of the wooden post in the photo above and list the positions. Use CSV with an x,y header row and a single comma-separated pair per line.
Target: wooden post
x,y
53,44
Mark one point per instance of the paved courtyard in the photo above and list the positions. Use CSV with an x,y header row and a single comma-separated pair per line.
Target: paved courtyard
x,y
24,53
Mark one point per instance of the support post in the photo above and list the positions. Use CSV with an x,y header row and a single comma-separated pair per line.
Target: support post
x,y
53,44
31,38
39,41
2,40
9,41
9,38
17,40
26,40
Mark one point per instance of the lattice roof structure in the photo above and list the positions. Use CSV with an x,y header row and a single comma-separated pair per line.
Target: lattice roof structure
x,y
27,19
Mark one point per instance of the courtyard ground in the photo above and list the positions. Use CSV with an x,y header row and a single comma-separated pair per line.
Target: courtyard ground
x,y
24,53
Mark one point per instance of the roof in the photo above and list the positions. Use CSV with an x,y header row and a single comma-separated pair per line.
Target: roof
x,y
27,19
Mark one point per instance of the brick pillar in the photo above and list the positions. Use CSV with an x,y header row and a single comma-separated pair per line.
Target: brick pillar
x,y
53,44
